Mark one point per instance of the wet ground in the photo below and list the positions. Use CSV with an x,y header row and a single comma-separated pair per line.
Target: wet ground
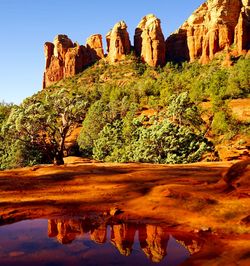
x,y
184,208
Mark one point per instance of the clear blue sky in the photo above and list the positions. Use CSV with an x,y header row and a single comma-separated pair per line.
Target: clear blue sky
x,y
26,24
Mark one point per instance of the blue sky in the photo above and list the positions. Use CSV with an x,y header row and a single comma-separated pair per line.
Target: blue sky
x,y
27,24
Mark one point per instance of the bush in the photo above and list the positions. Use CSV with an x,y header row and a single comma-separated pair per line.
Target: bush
x,y
163,142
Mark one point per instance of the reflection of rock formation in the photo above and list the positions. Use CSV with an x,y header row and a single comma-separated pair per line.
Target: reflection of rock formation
x,y
122,236
192,245
64,231
67,230
99,234
154,241
153,238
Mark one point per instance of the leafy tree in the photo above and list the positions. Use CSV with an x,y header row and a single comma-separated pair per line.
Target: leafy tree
x,y
45,120
163,142
184,112
96,118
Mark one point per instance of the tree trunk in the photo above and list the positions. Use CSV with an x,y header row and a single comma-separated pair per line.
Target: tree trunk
x,y
58,159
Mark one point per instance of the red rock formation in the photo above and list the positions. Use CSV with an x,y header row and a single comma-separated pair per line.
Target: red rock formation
x,y
65,59
210,29
213,27
61,45
154,241
52,228
242,31
94,44
118,42
74,61
149,41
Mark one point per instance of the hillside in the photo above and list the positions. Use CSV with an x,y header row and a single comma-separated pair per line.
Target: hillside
x,y
216,26
120,106
179,100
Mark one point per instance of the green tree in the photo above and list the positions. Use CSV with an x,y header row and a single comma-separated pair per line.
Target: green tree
x,y
45,120
182,111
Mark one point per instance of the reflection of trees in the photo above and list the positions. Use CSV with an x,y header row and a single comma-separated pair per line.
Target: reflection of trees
x,y
153,238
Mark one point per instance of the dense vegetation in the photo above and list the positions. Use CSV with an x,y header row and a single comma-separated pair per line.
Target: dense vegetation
x,y
110,101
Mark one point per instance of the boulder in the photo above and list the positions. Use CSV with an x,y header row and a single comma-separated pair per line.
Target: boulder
x,y
149,41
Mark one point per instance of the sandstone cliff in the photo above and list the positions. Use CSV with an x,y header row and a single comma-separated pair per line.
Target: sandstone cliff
x,y
213,27
149,41
118,43
217,25
65,59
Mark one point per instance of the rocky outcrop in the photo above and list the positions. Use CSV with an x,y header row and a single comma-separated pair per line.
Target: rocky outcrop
x,y
118,43
149,42
242,31
65,59
213,27
94,45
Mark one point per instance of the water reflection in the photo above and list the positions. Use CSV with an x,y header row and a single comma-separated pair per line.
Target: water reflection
x,y
153,239
90,242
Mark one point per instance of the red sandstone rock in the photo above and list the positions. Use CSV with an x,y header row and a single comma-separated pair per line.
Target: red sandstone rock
x,y
118,42
213,27
65,59
242,30
94,44
149,41
61,45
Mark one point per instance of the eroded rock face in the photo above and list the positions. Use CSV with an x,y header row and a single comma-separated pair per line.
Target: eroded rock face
x,y
94,44
65,59
213,27
118,43
242,31
149,41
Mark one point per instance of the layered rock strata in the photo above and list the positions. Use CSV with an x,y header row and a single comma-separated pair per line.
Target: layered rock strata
x,y
149,42
217,25
213,27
